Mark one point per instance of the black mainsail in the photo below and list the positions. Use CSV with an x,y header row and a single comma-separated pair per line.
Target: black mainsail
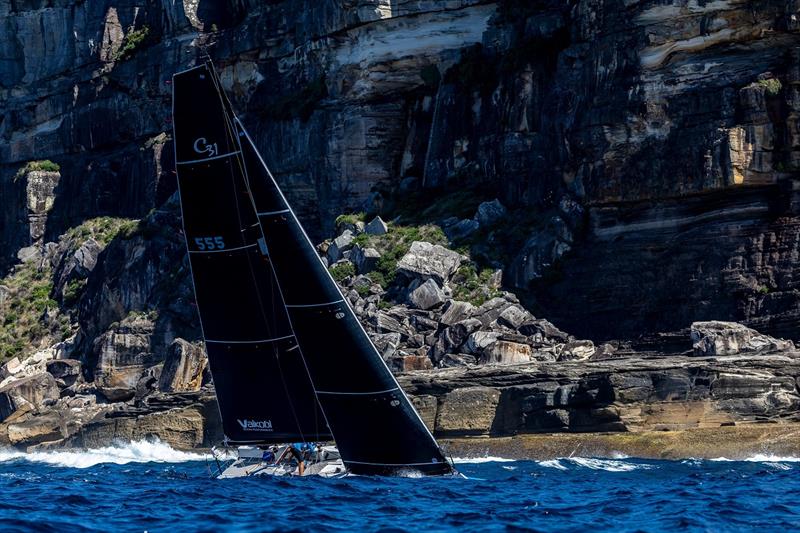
x,y
375,427
263,389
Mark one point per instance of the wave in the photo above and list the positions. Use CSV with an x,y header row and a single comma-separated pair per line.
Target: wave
x,y
593,463
761,458
134,452
479,460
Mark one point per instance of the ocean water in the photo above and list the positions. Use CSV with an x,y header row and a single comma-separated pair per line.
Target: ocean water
x,y
150,487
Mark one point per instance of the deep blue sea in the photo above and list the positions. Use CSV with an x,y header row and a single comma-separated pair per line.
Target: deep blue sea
x,y
150,487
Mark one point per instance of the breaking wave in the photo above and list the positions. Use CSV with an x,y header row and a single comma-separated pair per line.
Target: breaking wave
x,y
134,452
608,465
761,458
480,460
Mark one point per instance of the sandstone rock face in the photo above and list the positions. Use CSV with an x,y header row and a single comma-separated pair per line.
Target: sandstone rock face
x,y
27,393
626,394
40,188
123,355
429,261
184,367
467,410
730,338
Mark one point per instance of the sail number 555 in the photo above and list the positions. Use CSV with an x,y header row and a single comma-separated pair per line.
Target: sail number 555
x,y
209,243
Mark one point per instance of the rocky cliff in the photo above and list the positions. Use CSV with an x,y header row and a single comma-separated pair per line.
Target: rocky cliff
x,y
670,126
623,168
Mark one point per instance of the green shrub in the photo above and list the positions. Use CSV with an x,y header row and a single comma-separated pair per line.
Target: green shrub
x,y
340,271
73,290
350,218
44,165
362,290
133,40
771,86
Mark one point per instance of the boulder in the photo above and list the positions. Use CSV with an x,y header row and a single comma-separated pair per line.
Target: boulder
x,y
429,261
576,351
461,229
44,427
479,341
68,371
339,245
490,213
10,367
456,311
507,352
490,310
364,259
386,343
376,227
427,295
544,330
416,362
183,367
730,338
514,316
29,392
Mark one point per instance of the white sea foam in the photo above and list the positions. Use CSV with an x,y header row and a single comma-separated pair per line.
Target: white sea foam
x,y
479,460
609,465
761,458
553,463
134,452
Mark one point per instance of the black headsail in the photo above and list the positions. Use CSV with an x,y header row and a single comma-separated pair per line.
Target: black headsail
x,y
263,388
376,428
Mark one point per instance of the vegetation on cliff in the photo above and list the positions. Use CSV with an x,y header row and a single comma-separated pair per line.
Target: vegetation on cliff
x,y
32,315
44,165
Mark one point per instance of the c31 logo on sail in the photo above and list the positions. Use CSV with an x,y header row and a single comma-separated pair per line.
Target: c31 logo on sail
x,y
201,146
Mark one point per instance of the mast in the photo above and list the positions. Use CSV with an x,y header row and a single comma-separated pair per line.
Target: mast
x,y
263,389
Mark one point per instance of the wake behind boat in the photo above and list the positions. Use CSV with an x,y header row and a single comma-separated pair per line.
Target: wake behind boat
x,y
290,361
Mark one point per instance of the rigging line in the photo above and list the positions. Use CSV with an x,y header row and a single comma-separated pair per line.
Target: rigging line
x,y
280,290
371,393
315,305
261,341
336,287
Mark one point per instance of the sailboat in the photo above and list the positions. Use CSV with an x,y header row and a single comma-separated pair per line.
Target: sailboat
x,y
290,361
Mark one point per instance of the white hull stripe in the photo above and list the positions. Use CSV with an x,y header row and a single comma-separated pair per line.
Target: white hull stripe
x,y
222,250
268,213
316,305
260,341
208,158
358,393
390,464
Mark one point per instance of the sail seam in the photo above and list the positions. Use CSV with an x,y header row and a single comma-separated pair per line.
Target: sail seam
x,y
267,213
250,342
207,158
357,393
222,249
314,305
